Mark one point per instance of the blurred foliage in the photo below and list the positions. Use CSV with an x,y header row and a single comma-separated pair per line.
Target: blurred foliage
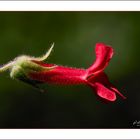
x,y
75,35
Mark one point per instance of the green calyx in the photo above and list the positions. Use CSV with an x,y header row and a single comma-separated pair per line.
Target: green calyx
x,y
21,66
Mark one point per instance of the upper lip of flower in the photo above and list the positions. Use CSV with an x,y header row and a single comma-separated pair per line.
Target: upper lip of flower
x,y
103,55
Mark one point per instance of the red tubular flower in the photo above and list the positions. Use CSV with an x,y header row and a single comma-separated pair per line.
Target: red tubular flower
x,y
93,76
34,71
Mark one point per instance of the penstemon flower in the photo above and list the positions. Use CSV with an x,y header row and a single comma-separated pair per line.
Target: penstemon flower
x,y
34,71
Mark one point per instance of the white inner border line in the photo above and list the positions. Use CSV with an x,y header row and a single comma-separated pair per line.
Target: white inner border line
x,y
70,134
69,5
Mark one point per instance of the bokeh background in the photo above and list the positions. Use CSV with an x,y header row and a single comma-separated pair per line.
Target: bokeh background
x,y
75,35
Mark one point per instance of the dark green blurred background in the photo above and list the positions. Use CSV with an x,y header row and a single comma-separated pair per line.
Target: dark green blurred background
x,y
75,35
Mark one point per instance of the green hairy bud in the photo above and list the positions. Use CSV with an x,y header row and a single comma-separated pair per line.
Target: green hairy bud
x,y
21,66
